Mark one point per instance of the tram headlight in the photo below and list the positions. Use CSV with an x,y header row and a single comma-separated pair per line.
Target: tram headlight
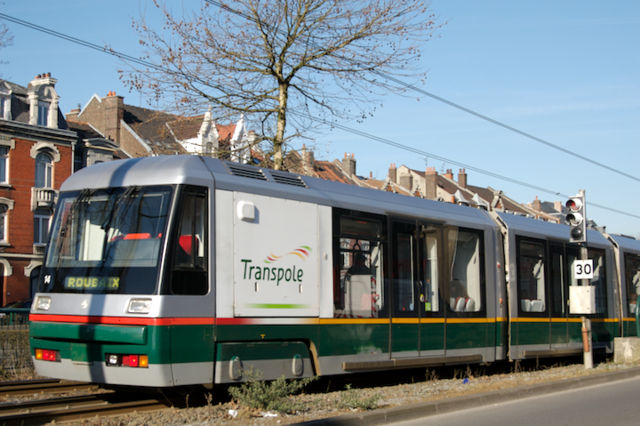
x,y
43,303
139,306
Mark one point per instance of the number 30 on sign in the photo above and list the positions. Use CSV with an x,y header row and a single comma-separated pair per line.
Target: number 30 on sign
x,y
583,269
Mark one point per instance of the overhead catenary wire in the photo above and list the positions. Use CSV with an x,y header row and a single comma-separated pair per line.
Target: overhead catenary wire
x,y
388,142
424,153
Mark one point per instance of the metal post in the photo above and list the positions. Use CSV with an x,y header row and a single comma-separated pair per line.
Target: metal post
x,y
586,343
586,322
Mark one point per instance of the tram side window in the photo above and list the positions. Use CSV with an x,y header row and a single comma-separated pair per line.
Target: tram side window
x,y
632,278
465,256
430,270
358,289
189,265
599,280
531,279
558,288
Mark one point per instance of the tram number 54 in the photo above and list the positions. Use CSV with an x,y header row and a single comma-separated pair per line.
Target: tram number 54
x,y
583,269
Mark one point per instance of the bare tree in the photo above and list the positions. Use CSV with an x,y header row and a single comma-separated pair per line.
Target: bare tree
x,y
282,63
6,39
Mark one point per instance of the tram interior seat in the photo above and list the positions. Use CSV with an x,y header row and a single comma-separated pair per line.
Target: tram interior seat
x,y
359,296
462,304
534,305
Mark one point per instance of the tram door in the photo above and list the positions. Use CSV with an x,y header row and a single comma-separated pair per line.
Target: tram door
x,y
560,280
416,329
533,326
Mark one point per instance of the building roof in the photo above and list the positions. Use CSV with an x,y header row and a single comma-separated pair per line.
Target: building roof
x,y
20,104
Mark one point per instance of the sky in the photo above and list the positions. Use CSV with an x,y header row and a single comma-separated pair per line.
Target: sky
x,y
565,72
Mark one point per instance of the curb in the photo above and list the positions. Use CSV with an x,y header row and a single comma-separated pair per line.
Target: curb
x,y
398,414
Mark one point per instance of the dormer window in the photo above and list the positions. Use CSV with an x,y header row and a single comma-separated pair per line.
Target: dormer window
x,y
43,113
5,105
43,101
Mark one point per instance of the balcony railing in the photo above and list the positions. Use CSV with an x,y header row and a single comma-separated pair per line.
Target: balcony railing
x,y
43,197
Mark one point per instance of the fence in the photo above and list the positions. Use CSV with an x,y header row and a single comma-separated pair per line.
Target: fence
x,y
12,317
15,356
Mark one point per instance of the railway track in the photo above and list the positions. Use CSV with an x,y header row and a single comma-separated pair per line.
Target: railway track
x,y
87,404
43,386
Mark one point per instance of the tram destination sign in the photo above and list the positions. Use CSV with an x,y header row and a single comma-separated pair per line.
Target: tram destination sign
x,y
583,269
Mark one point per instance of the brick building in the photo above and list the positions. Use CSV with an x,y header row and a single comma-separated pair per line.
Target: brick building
x,y
36,156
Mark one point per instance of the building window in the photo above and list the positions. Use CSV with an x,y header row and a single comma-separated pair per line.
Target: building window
x,y
44,170
4,163
41,220
3,222
43,113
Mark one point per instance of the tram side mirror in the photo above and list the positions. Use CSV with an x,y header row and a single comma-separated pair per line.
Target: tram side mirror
x,y
582,299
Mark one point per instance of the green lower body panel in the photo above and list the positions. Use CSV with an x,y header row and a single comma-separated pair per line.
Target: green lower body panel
x,y
241,361
176,354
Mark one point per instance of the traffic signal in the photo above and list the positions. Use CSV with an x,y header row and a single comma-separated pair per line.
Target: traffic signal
x,y
577,218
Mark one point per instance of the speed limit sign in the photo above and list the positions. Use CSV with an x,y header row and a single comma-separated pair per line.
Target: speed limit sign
x,y
583,269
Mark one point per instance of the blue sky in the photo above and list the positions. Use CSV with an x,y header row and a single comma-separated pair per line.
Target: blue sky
x,y
567,72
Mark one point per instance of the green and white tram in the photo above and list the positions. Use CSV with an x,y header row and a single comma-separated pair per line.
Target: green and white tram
x,y
182,270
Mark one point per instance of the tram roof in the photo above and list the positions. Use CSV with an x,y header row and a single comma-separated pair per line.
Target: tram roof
x,y
157,170
628,244
531,227
336,194
197,170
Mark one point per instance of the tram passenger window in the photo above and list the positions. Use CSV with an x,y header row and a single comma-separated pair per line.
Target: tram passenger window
x,y
632,278
558,304
599,280
358,289
403,284
430,279
189,266
464,291
531,276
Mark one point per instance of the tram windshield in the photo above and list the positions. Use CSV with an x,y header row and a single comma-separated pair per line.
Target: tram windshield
x,y
107,241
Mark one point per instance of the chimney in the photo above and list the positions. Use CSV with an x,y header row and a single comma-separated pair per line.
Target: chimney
x,y
349,164
308,160
393,173
73,114
462,178
449,174
537,205
430,183
557,206
113,114
406,181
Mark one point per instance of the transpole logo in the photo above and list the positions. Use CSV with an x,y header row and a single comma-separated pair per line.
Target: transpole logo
x,y
302,252
276,274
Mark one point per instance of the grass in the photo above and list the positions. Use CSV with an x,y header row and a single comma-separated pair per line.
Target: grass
x,y
273,395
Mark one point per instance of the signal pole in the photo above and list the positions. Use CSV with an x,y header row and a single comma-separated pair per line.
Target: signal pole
x,y
577,220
